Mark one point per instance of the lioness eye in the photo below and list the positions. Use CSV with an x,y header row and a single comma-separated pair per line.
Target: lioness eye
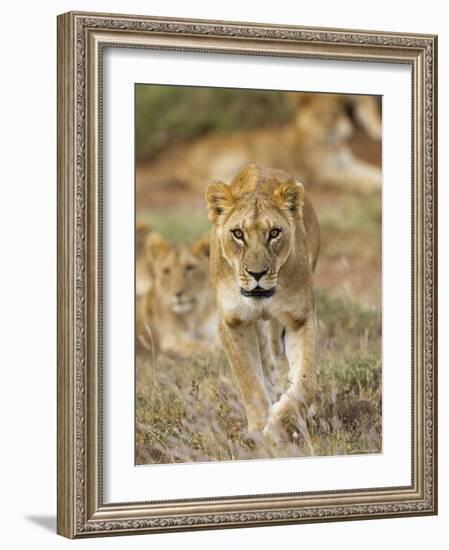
x,y
238,234
274,233
190,267
166,270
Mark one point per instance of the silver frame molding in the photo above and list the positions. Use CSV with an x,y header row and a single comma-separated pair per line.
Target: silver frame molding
x,y
81,39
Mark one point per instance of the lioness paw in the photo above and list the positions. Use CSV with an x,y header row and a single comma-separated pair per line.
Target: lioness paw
x,y
286,420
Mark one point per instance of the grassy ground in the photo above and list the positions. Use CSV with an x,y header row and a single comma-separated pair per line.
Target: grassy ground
x,y
190,410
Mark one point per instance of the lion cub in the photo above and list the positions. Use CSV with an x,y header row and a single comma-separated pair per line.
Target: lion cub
x,y
178,314
264,247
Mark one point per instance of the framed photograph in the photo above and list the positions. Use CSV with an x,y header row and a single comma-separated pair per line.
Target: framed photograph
x,y
246,274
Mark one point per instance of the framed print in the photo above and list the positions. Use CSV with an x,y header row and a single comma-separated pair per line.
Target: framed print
x,y
246,274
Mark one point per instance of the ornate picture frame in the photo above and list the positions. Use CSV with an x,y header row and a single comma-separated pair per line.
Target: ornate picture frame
x,y
82,39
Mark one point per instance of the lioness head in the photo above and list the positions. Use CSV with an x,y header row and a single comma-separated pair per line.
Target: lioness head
x,y
180,272
255,219
323,118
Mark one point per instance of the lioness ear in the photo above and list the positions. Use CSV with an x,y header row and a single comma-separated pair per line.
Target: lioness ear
x,y
202,246
219,199
290,196
143,229
155,246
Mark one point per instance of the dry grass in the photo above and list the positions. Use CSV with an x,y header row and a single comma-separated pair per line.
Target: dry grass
x,y
190,409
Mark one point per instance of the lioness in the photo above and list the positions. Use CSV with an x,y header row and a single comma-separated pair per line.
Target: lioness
x,y
179,314
264,246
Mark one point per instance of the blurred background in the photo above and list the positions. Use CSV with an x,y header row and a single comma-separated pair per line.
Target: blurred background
x,y
170,120
187,136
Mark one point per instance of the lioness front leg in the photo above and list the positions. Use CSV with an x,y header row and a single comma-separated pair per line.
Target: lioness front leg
x,y
300,347
266,358
240,343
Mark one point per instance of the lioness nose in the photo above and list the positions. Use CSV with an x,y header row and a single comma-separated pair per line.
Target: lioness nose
x,y
178,294
257,274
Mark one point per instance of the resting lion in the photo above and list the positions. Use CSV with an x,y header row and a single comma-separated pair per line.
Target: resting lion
x,y
314,147
264,246
178,314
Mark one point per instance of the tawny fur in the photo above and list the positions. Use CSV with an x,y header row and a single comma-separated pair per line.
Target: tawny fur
x,y
178,315
244,215
143,276
313,147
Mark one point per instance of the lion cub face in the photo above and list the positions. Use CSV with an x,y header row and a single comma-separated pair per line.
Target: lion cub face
x,y
181,273
255,218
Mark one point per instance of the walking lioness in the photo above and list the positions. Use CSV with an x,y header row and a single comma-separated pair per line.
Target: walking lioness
x,y
264,246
